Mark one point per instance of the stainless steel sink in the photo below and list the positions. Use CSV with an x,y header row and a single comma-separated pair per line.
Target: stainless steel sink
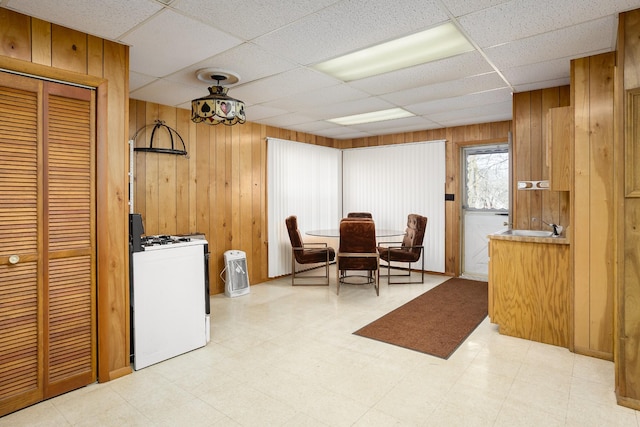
x,y
529,233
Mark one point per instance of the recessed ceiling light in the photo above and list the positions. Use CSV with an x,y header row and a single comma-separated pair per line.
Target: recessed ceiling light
x,y
375,116
435,43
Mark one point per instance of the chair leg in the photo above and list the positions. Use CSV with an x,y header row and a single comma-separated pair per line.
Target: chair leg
x,y
293,269
408,276
377,282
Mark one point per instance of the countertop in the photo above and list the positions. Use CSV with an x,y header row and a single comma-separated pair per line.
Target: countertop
x,y
506,235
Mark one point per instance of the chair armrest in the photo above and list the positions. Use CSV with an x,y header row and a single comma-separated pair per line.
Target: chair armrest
x,y
310,245
401,247
381,244
315,244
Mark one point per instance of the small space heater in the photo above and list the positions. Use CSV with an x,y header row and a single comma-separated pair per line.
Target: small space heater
x,y
235,270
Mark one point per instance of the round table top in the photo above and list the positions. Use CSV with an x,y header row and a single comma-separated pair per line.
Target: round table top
x,y
335,232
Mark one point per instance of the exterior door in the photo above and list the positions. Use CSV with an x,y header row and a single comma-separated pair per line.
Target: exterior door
x,y
485,203
47,240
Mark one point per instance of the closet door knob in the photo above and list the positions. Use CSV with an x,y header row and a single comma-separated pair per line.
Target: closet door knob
x,y
14,259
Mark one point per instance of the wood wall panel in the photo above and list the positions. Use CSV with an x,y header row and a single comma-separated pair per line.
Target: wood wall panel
x,y
113,214
530,111
593,207
221,186
15,31
68,49
41,43
628,229
29,45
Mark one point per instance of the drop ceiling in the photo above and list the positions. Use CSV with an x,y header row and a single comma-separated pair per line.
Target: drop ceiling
x,y
520,45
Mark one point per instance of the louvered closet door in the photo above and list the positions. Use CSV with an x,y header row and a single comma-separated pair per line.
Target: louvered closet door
x,y
47,255
69,239
21,318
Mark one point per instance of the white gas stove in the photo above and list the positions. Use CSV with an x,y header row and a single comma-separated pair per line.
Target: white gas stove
x,y
169,298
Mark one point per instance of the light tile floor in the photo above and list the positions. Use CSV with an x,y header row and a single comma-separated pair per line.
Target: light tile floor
x,y
286,356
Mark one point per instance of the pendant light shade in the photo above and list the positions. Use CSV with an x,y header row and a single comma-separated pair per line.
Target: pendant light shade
x,y
217,107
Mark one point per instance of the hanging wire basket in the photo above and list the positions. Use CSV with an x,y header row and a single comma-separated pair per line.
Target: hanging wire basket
x,y
173,150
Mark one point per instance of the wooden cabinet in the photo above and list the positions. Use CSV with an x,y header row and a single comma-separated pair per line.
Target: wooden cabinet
x,y
529,289
559,140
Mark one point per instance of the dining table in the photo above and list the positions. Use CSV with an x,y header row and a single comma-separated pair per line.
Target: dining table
x,y
335,232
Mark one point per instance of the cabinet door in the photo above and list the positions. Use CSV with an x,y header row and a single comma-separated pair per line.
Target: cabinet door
x,y
47,256
559,140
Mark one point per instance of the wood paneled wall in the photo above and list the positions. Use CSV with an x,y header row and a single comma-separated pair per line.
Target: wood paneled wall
x,y
627,216
32,46
592,91
220,189
530,111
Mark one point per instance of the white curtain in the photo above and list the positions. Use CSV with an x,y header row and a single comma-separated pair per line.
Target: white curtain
x,y
303,180
393,181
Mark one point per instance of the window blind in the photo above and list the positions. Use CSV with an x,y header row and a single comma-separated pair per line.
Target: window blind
x,y
393,181
303,180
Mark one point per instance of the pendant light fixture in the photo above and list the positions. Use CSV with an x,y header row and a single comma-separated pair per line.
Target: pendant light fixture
x,y
217,107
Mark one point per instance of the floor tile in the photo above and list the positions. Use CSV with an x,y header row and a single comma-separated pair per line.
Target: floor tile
x,y
287,356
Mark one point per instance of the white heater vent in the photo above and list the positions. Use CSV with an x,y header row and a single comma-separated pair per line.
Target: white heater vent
x,y
236,278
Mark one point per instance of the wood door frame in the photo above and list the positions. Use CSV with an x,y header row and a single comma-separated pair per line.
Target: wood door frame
x,y
103,309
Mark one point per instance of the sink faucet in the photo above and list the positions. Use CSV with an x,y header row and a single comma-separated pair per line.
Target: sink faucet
x,y
557,229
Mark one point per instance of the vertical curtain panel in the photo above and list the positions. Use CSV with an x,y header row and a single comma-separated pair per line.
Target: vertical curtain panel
x,y
303,180
393,181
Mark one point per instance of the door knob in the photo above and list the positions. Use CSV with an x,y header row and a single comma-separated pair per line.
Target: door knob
x,y
14,259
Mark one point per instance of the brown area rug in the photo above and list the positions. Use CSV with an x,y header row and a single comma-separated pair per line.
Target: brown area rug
x,y
436,322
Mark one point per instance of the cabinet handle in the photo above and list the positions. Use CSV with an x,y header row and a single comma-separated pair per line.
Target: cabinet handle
x,y
14,259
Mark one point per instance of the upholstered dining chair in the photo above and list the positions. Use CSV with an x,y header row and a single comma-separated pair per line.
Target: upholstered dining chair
x,y
410,250
307,253
357,252
359,215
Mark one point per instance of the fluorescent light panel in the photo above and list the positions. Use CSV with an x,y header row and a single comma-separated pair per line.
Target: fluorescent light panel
x,y
435,43
375,116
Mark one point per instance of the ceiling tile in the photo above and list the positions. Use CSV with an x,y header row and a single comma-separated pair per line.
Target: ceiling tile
x,y
137,80
349,108
392,126
309,101
542,85
170,42
463,7
348,25
542,71
571,42
489,28
166,93
282,85
248,19
500,111
106,19
260,112
288,120
247,60
462,102
448,89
